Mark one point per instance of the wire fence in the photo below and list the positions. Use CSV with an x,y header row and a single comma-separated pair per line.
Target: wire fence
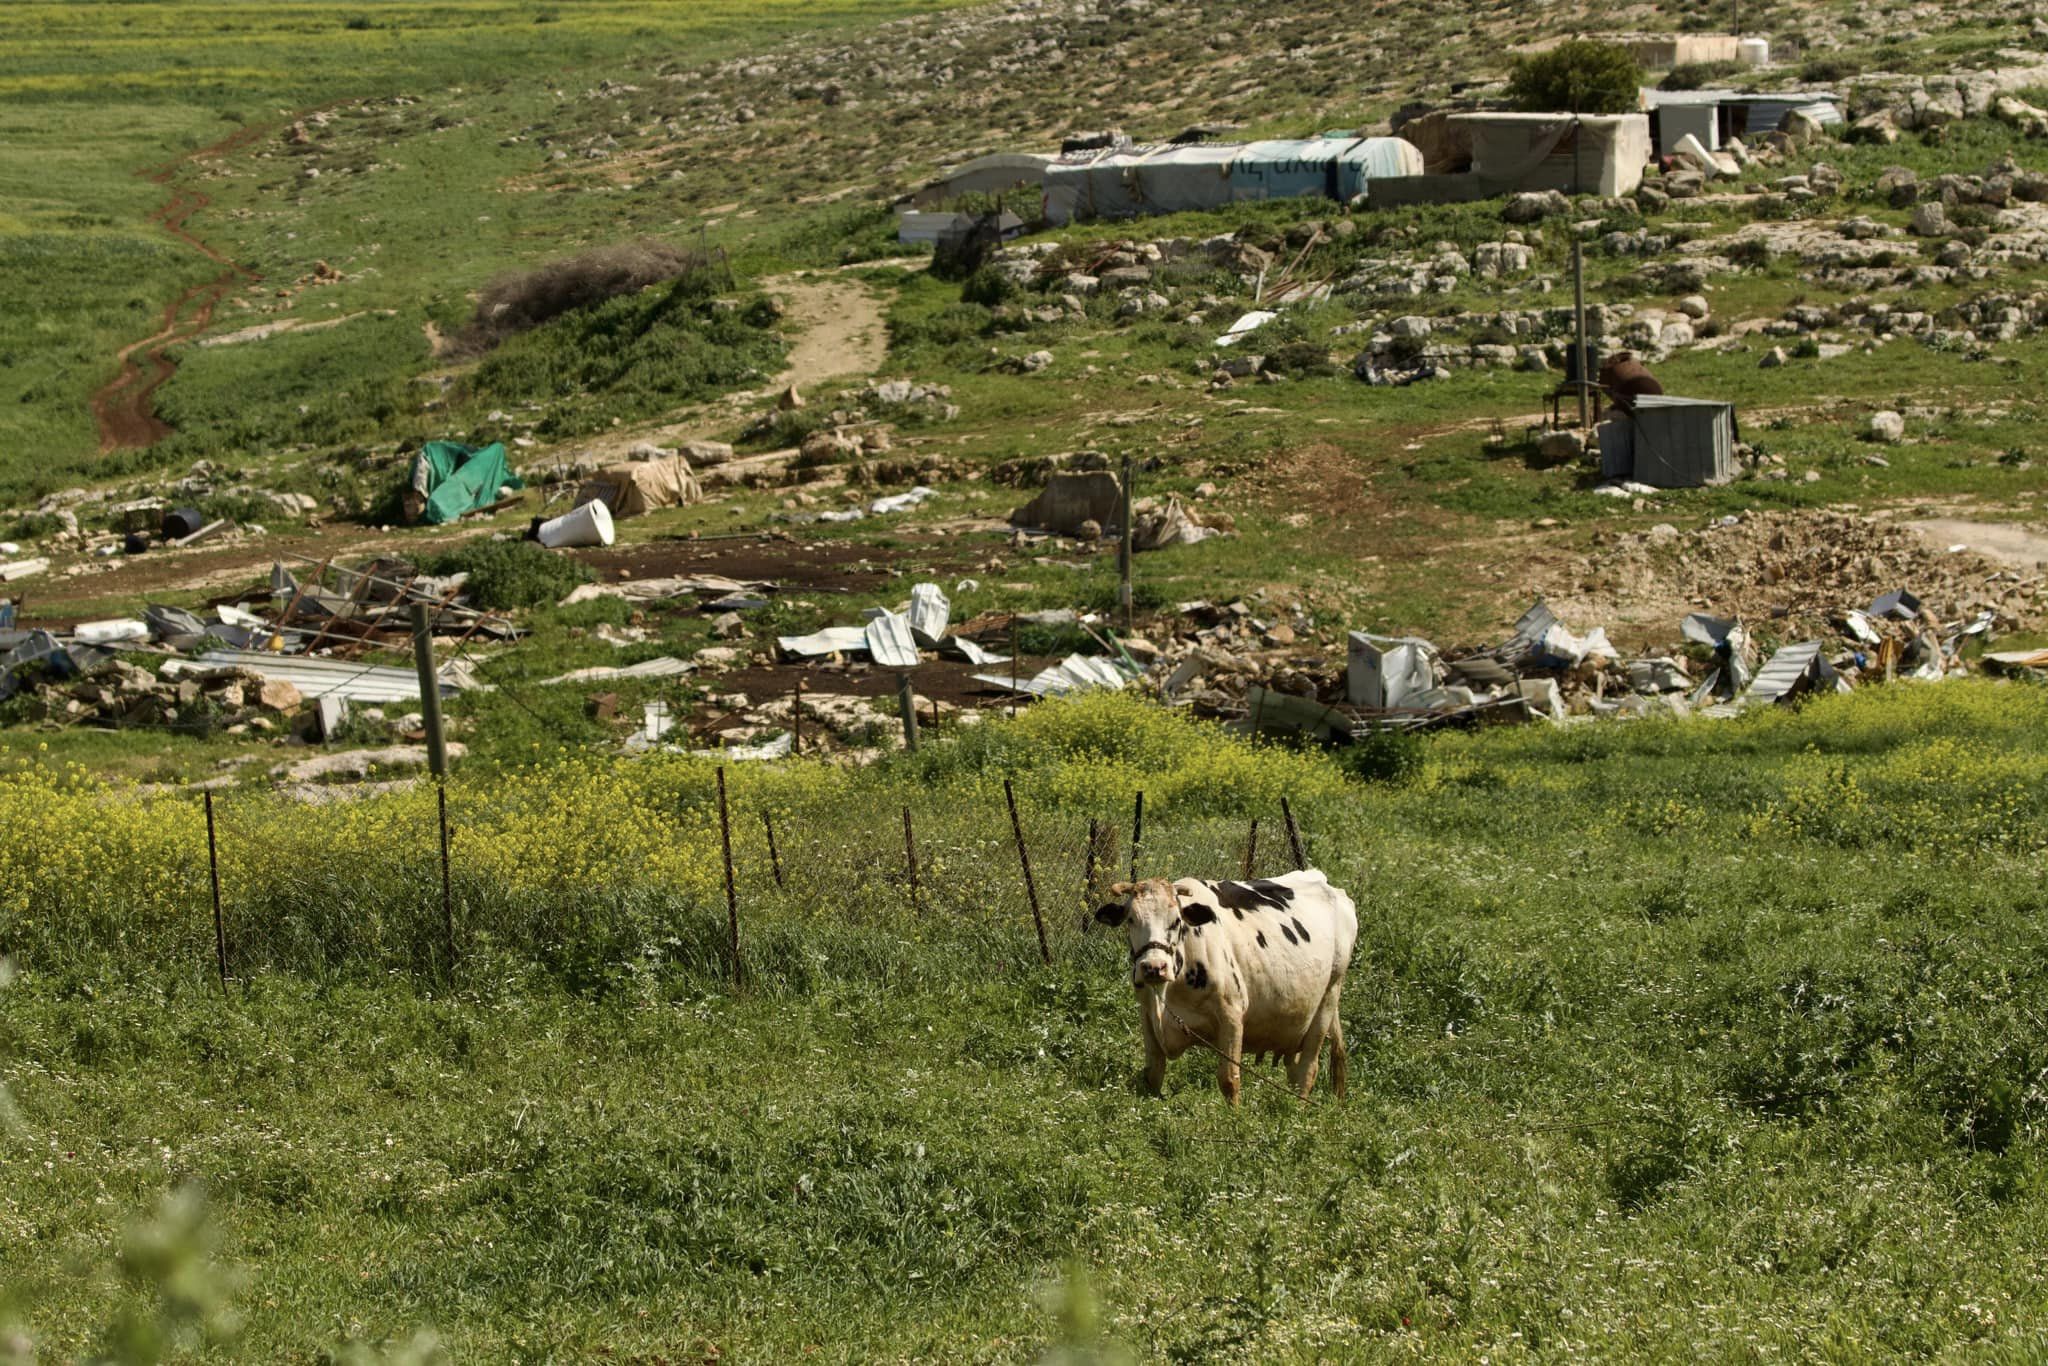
x,y
901,885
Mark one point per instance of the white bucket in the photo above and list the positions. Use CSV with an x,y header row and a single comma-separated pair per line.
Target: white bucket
x,y
590,524
1753,52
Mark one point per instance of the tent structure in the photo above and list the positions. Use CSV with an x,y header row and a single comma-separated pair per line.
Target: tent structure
x,y
992,174
1127,182
641,486
1601,154
449,479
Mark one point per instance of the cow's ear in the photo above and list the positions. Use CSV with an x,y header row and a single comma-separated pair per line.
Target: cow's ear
x,y
1121,889
1112,913
1195,913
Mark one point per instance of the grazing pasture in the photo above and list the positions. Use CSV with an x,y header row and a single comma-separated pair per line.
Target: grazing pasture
x,y
1660,1034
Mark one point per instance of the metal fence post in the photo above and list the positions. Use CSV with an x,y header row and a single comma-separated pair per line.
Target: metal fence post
x,y
1293,835
1088,876
732,896
220,931
447,887
1030,887
430,690
1251,847
1137,832
774,855
910,860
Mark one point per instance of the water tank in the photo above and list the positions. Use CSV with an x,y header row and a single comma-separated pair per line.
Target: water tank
x,y
1753,52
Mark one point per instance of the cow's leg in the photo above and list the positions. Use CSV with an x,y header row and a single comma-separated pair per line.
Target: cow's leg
x,y
1339,1070
1230,1053
1155,1054
1301,1072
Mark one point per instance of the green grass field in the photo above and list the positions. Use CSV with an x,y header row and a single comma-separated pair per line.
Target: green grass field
x,y
97,92
1664,1037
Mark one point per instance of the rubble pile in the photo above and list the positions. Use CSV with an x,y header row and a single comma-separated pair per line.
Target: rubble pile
x,y
286,667
1799,572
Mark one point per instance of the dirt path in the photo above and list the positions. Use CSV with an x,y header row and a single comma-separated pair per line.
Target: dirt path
x,y
2001,541
844,333
122,408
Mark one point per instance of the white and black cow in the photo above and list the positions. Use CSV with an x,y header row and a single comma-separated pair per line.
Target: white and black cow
x,y
1242,967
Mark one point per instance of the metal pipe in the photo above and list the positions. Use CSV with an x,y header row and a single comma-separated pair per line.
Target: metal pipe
x,y
1030,886
430,690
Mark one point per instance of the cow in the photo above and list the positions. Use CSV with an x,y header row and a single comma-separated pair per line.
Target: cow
x,y
1625,379
1240,967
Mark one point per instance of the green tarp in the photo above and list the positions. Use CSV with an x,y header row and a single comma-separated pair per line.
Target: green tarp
x,y
453,479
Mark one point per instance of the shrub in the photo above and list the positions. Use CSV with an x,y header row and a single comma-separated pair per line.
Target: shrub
x,y
1582,76
1827,70
508,574
988,287
526,299
1698,75
628,357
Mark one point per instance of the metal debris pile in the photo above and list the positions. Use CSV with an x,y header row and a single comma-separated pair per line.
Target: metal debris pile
x,y
1546,670
284,666
1797,571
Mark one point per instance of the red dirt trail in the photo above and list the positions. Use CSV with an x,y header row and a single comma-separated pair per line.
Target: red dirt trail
x,y
122,408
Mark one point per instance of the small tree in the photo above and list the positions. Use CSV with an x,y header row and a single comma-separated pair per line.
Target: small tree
x,y
1580,77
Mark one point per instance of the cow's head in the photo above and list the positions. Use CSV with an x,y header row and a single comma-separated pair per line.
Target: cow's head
x,y
1154,921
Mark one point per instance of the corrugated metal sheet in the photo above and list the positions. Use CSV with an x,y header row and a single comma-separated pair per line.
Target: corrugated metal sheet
x,y
1793,670
890,642
1682,443
668,666
1074,674
929,612
833,640
315,678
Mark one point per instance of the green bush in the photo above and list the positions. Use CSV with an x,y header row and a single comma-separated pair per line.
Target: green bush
x,y
1698,75
988,287
504,575
629,357
1827,70
1581,76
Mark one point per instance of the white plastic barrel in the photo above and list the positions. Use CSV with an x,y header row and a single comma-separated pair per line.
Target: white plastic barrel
x,y
1753,52
590,524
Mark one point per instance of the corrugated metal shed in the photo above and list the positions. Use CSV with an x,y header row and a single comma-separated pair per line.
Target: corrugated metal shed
x,y
1681,443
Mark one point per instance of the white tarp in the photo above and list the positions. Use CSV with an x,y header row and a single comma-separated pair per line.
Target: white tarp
x,y
833,640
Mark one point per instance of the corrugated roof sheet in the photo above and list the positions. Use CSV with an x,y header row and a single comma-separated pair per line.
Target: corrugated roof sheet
x,y
315,678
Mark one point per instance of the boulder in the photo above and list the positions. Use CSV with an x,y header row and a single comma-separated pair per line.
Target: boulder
x,y
1887,427
278,694
1899,187
1071,500
1880,128
1534,206
704,454
1929,220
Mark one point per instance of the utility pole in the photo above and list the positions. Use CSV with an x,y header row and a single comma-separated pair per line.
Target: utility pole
x,y
1581,358
1123,554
